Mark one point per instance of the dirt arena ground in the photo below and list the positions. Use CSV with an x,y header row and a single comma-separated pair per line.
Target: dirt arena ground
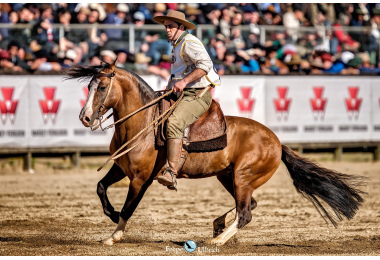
x,y
56,211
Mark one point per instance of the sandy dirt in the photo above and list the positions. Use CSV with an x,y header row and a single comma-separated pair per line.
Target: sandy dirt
x,y
56,211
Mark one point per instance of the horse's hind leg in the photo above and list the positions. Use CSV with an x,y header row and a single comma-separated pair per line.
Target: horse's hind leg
x,y
245,182
226,219
114,175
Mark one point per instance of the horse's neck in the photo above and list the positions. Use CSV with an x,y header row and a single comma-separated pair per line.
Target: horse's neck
x,y
131,101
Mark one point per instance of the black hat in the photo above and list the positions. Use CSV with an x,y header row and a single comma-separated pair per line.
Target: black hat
x,y
13,43
117,51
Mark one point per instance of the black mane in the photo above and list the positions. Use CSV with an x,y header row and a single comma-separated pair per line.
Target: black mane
x,y
84,73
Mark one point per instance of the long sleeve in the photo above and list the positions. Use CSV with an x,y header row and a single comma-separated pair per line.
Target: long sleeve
x,y
198,55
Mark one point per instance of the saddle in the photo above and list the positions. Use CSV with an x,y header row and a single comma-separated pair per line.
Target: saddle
x,y
207,134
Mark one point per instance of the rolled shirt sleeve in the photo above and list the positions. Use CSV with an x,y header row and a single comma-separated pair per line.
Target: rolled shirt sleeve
x,y
198,55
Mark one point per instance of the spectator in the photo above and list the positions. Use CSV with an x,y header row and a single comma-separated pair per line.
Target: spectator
x,y
13,50
359,21
42,64
193,14
70,59
272,64
4,36
162,69
292,20
322,14
229,63
225,23
373,47
248,11
342,40
96,38
95,60
108,56
46,36
79,37
115,37
250,64
140,34
317,66
156,44
353,67
6,63
26,17
142,63
267,17
236,40
367,67
218,50
122,60
212,14
329,66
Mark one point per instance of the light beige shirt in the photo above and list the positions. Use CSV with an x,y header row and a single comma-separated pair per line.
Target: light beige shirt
x,y
188,55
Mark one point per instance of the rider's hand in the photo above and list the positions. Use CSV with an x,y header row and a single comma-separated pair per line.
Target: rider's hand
x,y
179,86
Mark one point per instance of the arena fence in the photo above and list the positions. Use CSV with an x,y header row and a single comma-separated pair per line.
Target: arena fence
x,y
308,38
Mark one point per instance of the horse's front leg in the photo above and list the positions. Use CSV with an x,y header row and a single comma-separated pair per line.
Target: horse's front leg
x,y
137,188
114,175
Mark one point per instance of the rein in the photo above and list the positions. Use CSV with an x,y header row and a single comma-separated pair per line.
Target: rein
x,y
129,115
161,118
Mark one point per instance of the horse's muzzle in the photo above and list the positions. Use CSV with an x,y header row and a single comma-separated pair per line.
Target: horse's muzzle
x,y
87,118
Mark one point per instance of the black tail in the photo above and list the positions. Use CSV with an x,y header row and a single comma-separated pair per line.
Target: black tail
x,y
317,183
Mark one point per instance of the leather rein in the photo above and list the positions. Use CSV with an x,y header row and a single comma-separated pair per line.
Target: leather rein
x,y
101,113
155,123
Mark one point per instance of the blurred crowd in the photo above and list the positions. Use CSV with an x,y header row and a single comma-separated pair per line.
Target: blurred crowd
x,y
327,48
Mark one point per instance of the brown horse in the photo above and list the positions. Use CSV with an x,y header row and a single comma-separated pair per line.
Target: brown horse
x,y
251,157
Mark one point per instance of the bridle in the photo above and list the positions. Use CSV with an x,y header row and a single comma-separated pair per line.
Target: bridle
x,y
103,108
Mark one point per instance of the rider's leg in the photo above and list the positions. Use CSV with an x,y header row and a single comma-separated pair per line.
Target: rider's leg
x,y
187,112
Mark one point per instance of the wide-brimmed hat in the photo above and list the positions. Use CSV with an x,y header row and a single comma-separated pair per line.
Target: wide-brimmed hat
x,y
327,57
123,8
108,53
177,17
294,60
142,58
191,10
160,7
317,64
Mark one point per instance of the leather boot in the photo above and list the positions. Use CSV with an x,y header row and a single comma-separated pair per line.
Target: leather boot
x,y
173,164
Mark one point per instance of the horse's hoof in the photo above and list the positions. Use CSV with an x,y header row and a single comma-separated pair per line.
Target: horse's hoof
x,y
108,241
216,242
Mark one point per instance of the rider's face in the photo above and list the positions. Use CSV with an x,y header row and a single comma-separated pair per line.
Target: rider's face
x,y
171,29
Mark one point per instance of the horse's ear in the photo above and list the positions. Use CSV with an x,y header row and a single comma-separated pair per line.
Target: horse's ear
x,y
113,65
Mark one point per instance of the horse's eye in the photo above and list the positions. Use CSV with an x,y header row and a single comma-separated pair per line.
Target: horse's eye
x,y
102,87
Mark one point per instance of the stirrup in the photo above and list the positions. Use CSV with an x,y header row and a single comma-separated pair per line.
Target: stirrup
x,y
173,179
173,187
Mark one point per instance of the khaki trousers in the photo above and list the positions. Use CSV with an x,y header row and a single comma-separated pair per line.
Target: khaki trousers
x,y
187,112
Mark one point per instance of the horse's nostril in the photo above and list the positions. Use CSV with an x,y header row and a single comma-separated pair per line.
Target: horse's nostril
x,y
87,119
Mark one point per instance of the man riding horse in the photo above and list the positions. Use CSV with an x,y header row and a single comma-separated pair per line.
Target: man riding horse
x,y
192,72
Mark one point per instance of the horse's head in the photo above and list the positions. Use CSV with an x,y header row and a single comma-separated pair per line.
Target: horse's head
x,y
101,95
105,90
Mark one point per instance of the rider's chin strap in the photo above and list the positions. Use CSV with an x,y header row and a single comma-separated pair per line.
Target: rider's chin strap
x,y
173,41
